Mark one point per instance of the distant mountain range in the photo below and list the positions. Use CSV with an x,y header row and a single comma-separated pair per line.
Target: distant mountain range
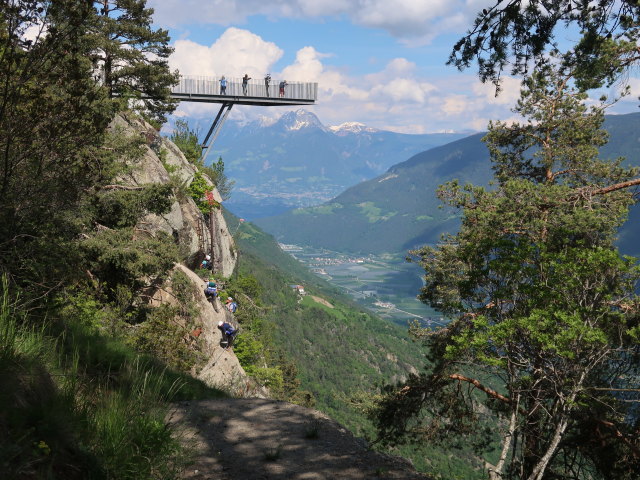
x,y
398,210
297,161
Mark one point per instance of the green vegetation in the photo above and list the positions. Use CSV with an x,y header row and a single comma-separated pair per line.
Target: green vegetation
x,y
519,38
215,172
412,193
321,210
76,404
186,140
544,308
545,329
201,192
373,213
340,354
131,57
77,401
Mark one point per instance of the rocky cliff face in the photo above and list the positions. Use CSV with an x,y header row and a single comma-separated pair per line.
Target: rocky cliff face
x,y
220,368
184,222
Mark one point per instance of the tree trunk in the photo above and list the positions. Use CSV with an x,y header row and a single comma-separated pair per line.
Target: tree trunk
x,y
496,473
541,466
538,471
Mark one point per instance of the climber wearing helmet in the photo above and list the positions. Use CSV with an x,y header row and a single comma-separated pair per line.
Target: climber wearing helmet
x,y
228,333
231,305
206,263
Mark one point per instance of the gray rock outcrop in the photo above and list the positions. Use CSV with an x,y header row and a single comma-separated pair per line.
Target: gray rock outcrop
x,y
184,222
162,162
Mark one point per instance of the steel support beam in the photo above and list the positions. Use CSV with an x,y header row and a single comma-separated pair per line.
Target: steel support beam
x,y
215,130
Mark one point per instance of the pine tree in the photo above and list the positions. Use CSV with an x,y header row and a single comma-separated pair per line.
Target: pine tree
x,y
519,35
57,153
53,121
133,57
544,332
186,140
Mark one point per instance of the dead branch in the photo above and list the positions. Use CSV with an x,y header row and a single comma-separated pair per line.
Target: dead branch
x,y
617,186
121,187
477,384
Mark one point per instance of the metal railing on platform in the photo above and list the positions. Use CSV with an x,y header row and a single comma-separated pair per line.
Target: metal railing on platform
x,y
197,85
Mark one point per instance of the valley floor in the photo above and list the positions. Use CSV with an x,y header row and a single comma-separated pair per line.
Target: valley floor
x,y
387,285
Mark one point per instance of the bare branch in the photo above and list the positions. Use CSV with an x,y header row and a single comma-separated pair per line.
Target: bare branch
x,y
477,384
121,187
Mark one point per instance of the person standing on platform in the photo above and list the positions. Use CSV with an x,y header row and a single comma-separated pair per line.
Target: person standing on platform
x,y
223,86
267,80
245,81
283,84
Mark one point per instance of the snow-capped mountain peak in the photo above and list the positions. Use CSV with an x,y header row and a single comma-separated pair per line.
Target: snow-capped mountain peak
x,y
351,127
300,119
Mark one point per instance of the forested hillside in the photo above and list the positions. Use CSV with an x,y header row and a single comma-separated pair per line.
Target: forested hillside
x,y
104,225
400,210
341,353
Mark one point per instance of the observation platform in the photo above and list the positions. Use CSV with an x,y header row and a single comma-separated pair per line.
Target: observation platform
x,y
257,93
207,90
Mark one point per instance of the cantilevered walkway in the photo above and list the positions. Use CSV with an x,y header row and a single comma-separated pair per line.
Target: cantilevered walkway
x,y
208,90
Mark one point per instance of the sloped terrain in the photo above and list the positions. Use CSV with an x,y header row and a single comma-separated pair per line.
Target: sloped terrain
x,y
256,439
399,210
297,161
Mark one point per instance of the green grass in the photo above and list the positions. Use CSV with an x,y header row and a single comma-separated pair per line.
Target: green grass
x,y
76,405
321,210
309,302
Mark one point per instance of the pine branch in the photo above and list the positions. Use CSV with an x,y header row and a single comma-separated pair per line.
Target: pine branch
x,y
617,186
477,384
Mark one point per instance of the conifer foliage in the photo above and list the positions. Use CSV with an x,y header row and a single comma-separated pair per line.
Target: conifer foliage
x,y
519,35
132,57
53,119
56,150
542,350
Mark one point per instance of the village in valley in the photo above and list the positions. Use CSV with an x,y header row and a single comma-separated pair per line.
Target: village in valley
x,y
385,284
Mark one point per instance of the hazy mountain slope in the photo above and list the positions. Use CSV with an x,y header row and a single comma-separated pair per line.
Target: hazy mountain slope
x,y
297,161
391,212
399,210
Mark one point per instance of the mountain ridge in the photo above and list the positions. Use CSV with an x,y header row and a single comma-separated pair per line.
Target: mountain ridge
x,y
297,161
398,210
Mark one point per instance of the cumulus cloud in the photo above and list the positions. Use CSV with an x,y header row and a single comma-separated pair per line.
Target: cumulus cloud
x,y
414,22
235,53
396,97
509,91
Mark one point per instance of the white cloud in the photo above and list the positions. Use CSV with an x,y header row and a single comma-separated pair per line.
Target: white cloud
x,y
414,22
509,91
396,97
241,49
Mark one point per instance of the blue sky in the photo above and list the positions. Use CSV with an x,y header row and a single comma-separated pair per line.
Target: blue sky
x,y
377,62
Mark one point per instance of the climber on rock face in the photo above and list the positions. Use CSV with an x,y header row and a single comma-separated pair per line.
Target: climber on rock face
x,y
228,333
211,290
231,305
206,263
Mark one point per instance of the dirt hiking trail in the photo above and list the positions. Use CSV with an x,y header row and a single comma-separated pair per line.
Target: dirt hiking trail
x,y
262,439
